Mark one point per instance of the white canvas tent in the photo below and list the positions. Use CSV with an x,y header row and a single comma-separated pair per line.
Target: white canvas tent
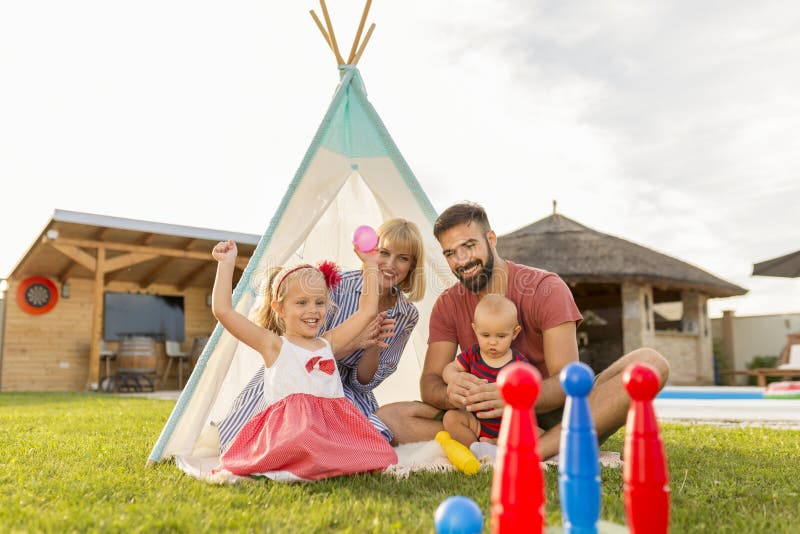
x,y
352,174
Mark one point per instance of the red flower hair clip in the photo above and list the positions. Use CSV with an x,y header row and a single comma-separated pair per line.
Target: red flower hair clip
x,y
331,273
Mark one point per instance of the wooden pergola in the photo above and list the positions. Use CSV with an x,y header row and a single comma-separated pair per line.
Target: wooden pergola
x,y
105,249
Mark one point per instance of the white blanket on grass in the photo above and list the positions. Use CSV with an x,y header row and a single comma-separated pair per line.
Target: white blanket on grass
x,y
411,457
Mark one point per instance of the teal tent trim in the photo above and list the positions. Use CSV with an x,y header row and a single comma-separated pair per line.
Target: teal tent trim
x,y
352,132
347,93
359,92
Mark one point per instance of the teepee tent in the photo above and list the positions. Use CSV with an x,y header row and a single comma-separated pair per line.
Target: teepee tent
x,y
352,174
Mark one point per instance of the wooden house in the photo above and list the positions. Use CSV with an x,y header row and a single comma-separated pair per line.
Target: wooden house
x,y
630,296
56,314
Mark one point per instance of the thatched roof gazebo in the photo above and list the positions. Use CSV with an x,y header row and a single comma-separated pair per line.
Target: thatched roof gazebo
x,y
631,295
580,254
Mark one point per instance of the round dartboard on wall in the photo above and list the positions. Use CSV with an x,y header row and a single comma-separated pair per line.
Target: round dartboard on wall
x,y
37,295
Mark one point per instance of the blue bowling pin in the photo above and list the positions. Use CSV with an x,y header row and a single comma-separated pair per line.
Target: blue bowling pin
x,y
579,457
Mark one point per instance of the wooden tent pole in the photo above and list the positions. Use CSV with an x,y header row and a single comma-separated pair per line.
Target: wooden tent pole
x,y
363,44
322,29
330,32
358,33
93,382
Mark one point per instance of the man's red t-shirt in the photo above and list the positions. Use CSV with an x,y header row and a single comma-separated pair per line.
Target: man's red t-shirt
x,y
543,301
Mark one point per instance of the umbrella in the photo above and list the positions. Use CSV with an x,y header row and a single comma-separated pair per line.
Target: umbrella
x,y
786,266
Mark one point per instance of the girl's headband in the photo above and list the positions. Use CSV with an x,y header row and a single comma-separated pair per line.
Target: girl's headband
x,y
328,269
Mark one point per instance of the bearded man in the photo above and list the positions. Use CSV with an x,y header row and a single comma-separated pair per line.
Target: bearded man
x,y
549,318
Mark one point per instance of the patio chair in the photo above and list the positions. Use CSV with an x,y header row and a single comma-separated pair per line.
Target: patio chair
x,y
789,368
174,352
793,357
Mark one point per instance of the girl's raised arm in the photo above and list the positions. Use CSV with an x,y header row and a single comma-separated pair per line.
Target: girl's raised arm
x,y
267,343
367,305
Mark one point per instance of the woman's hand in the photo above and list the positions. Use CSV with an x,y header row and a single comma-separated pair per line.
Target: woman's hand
x,y
378,330
225,252
373,335
369,258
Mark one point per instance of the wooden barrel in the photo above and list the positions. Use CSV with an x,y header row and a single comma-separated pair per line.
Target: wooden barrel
x,y
137,355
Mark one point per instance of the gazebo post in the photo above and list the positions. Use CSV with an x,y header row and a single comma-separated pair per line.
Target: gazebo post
x,y
695,321
728,341
92,383
637,316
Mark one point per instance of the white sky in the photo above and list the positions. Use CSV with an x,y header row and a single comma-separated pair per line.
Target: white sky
x,y
672,124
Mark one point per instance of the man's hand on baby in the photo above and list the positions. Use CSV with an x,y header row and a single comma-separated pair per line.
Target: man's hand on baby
x,y
485,402
461,386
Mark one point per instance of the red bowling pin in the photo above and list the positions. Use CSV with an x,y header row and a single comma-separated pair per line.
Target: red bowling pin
x,y
518,495
645,477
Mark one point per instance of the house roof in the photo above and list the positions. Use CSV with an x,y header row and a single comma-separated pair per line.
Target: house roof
x,y
583,255
137,225
167,253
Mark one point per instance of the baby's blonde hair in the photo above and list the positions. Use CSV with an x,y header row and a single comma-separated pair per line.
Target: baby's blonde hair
x,y
496,305
404,235
282,278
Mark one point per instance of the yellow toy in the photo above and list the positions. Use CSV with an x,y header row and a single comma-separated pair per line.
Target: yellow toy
x,y
460,456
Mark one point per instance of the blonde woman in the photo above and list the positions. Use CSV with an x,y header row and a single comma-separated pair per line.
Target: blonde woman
x,y
372,357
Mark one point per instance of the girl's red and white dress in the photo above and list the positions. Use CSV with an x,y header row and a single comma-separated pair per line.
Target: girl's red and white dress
x,y
309,430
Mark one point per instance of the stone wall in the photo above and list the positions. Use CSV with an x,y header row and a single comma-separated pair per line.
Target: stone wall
x,y
680,350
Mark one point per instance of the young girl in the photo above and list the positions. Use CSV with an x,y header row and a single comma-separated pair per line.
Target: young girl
x,y
308,430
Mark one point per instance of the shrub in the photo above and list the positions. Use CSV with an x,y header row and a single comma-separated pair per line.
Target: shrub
x,y
759,362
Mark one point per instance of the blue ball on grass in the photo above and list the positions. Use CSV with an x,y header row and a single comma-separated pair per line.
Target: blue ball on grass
x,y
458,515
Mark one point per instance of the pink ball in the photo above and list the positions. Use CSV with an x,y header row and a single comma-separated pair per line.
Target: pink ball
x,y
365,238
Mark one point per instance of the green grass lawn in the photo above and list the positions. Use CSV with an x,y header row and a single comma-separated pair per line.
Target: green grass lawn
x,y
72,462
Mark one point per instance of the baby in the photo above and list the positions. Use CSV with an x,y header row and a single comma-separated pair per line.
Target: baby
x,y
495,325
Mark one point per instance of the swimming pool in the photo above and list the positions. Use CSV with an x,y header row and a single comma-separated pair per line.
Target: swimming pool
x,y
725,404
715,394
